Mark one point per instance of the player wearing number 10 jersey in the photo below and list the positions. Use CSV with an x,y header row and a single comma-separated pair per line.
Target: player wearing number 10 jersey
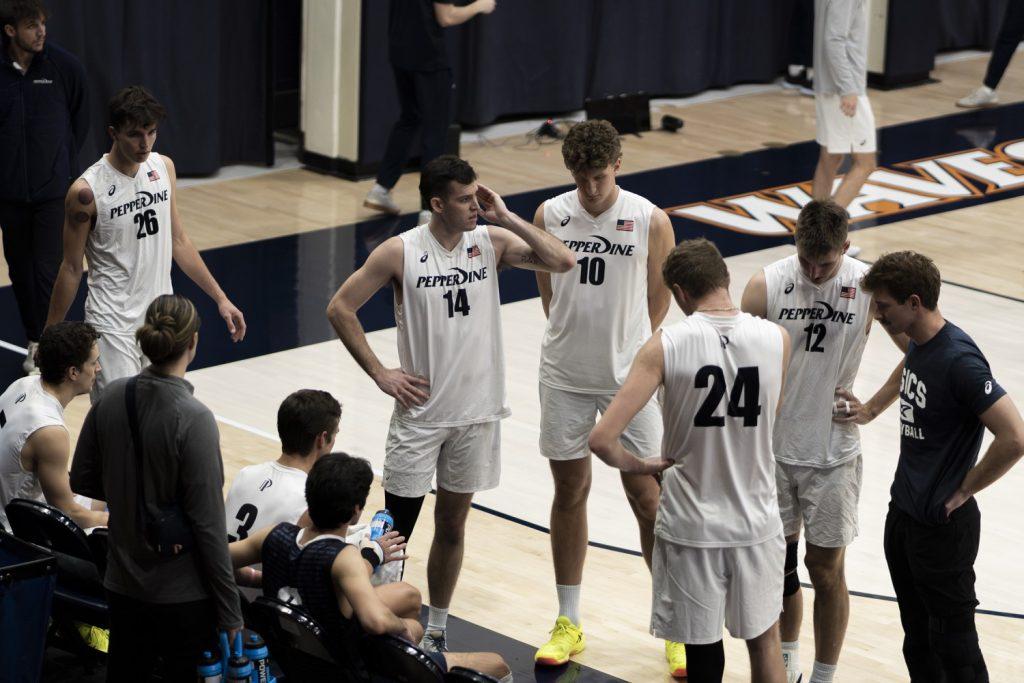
x,y
718,549
122,216
816,296
450,389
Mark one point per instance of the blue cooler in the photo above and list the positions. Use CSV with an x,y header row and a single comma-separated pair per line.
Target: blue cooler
x,y
28,575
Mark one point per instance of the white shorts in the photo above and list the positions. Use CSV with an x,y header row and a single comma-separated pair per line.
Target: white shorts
x,y
120,356
566,419
842,134
823,499
467,459
697,589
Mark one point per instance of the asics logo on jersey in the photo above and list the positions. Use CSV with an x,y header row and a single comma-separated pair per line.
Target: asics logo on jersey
x,y
565,221
600,246
110,192
821,312
20,399
459,277
789,287
142,200
988,387
906,411
267,483
423,259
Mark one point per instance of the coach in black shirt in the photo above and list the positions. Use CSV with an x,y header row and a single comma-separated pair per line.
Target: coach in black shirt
x,y
947,398
424,81
43,123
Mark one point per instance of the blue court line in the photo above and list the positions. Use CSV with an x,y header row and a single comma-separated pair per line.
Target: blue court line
x,y
627,551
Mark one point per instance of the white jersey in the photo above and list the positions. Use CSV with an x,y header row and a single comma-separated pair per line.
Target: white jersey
x,y
449,329
722,381
827,324
264,495
25,408
129,250
597,317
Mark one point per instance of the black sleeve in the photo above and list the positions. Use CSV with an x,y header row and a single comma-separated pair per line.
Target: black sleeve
x,y
87,465
973,384
78,104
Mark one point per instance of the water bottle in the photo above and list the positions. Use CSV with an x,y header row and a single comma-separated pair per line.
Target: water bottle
x,y
256,651
209,668
239,669
381,523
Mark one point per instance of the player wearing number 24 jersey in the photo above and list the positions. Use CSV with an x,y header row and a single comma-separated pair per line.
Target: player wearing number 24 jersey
x,y
122,217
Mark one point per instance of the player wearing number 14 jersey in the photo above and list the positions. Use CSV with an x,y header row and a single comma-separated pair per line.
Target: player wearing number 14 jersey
x,y
450,388
816,296
122,216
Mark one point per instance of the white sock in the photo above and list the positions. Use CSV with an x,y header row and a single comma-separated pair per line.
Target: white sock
x,y
569,602
506,679
810,73
795,69
437,618
377,187
822,673
791,657
987,90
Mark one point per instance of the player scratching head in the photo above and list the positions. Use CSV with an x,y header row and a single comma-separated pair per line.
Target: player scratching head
x,y
698,277
448,186
593,154
822,230
133,117
905,287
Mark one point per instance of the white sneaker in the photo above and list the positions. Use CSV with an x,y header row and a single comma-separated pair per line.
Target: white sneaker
x,y
433,641
379,199
982,97
424,218
29,364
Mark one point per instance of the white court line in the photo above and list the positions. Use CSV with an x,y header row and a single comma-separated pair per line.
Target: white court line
x,y
245,428
12,347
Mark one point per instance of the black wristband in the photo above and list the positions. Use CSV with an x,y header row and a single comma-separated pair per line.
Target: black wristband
x,y
370,557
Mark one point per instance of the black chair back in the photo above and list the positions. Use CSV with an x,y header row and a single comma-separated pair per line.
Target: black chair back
x,y
295,642
461,674
50,528
393,659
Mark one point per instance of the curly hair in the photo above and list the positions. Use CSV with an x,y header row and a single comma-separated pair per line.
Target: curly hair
x,y
64,345
903,273
591,145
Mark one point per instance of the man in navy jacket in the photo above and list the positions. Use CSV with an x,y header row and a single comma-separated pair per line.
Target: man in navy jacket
x,y
43,122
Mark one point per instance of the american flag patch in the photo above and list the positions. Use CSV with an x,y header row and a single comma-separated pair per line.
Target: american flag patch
x,y
153,176
624,225
472,251
848,292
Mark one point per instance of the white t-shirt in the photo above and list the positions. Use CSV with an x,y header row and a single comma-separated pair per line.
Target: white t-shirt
x,y
597,317
826,324
722,381
129,251
264,495
25,408
449,329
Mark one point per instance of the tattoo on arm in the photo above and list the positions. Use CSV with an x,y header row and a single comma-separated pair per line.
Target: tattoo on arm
x,y
530,257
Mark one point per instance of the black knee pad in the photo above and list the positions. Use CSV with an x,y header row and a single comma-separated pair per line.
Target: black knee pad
x,y
791,582
705,663
955,641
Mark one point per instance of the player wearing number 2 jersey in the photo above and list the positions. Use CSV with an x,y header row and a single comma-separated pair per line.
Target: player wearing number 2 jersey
x,y
718,549
122,216
450,389
816,295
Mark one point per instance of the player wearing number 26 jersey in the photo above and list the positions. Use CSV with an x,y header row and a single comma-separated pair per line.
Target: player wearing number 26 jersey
x,y
122,216
718,548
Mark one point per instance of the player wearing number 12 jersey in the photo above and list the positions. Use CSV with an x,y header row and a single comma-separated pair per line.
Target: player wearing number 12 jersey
x,y
450,389
122,216
816,295
718,549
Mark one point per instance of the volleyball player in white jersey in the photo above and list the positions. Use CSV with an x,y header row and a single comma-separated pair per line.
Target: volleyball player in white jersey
x,y
122,216
450,388
816,295
599,315
35,447
718,549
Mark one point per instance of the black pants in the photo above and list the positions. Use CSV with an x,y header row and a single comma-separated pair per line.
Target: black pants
x,y
32,234
141,632
932,570
801,33
425,98
1010,34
